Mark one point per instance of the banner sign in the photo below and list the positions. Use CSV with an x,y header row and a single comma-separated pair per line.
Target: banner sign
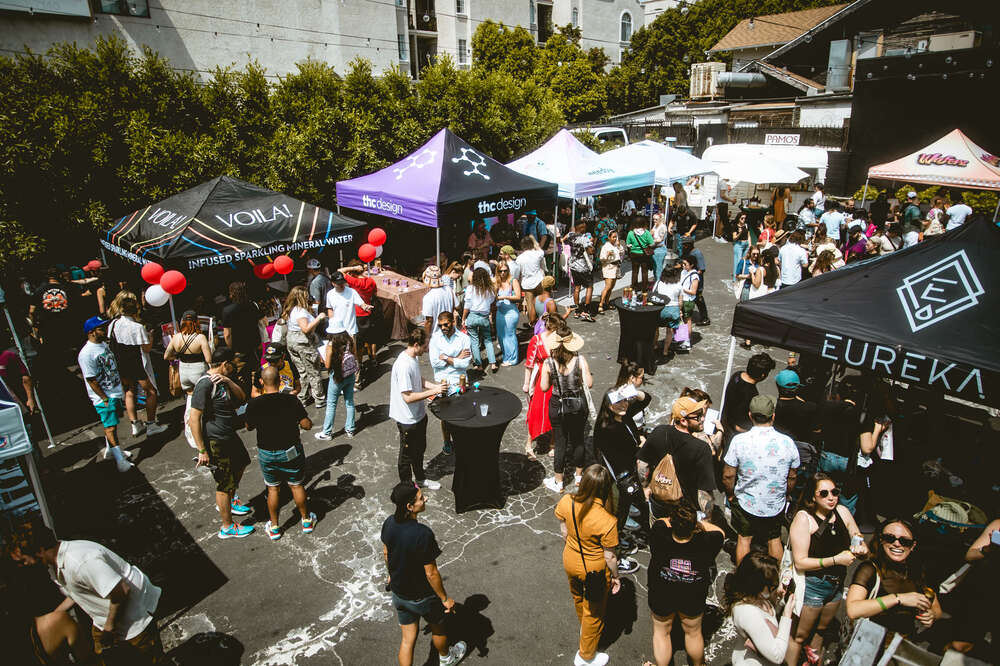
x,y
781,139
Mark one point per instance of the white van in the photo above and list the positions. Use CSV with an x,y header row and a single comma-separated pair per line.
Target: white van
x,y
605,134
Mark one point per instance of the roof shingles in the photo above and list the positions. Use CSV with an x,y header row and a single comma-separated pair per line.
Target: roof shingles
x,y
774,28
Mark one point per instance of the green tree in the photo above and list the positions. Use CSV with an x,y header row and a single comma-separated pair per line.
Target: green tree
x,y
497,47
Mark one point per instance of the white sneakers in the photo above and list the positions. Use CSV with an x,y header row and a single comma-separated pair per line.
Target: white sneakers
x,y
600,658
455,654
138,427
429,485
553,485
149,427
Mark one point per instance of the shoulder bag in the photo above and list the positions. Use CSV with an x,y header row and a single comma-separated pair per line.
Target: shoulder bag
x,y
594,581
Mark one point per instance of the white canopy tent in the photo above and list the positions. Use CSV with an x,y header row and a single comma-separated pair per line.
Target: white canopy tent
x,y
579,171
759,170
751,155
670,164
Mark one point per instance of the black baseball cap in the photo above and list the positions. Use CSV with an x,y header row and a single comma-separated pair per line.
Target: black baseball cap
x,y
274,351
222,354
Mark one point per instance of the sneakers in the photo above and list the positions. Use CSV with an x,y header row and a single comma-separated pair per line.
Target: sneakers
x,y
319,405
627,565
600,659
107,452
633,511
323,436
124,466
685,346
138,427
631,524
153,428
235,531
428,484
272,531
447,448
309,523
455,654
237,508
553,485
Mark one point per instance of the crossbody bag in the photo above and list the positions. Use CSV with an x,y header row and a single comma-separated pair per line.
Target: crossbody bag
x,y
594,582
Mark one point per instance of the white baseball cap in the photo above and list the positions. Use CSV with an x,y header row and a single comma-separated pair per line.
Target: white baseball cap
x,y
911,195
313,264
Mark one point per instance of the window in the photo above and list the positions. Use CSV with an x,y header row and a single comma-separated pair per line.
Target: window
x,y
626,27
463,51
531,12
576,17
403,54
460,7
122,7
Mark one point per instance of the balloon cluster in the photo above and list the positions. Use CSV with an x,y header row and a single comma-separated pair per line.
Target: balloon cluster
x,y
282,265
164,284
373,248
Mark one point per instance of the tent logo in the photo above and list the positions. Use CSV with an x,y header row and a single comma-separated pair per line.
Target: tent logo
x,y
941,160
480,161
417,160
939,291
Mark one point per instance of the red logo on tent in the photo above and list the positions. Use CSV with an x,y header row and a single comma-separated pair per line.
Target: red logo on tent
x,y
992,159
941,160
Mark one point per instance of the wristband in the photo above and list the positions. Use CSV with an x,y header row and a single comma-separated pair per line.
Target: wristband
x,y
881,603
202,451
821,563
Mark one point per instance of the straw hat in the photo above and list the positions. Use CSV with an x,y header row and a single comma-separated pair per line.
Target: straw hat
x,y
571,342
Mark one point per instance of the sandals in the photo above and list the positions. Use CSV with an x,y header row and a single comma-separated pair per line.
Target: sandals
x,y
586,316
530,453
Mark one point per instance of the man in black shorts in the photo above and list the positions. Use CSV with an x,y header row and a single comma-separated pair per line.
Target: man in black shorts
x,y
581,267
411,551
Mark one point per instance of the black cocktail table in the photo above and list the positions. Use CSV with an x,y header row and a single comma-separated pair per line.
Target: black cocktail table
x,y
476,438
637,333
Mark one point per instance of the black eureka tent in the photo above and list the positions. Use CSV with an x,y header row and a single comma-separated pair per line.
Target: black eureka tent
x,y
226,220
928,314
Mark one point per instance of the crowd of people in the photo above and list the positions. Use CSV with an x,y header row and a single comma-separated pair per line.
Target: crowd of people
x,y
785,479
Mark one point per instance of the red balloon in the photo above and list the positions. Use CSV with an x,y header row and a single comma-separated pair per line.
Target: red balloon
x,y
152,272
264,271
376,236
366,253
173,282
93,265
284,264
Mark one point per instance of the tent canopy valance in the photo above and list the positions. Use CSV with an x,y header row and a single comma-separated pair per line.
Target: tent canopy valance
x,y
952,160
669,164
748,163
925,314
226,220
579,171
444,179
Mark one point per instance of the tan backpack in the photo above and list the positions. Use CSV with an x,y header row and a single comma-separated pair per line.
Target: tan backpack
x,y
664,484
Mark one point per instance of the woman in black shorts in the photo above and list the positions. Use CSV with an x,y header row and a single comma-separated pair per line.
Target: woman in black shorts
x,y
683,552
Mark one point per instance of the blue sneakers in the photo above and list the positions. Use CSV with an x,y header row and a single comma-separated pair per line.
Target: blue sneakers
x,y
238,508
235,531
273,532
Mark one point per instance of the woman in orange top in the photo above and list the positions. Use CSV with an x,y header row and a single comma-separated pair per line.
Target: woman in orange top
x,y
590,511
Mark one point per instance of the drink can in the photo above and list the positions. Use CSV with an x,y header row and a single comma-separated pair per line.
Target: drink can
x,y
786,578
929,593
856,541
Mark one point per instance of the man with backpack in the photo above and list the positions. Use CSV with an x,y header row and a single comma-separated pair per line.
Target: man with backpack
x,y
213,423
681,463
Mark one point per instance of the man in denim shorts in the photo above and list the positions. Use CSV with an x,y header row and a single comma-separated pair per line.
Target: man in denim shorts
x,y
104,385
213,425
411,551
277,417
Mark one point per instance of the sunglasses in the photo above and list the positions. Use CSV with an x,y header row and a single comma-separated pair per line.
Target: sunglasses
x,y
905,542
826,492
696,417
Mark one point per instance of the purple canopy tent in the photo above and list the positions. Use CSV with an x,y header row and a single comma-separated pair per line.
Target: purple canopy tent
x,y
445,179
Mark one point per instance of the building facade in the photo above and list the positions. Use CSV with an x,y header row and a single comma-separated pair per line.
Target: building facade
x,y
200,35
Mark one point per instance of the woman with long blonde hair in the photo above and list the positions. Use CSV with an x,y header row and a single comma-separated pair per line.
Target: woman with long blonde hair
x,y
301,346
130,342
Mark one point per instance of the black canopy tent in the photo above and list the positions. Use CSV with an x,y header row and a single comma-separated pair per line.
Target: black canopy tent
x,y
226,220
924,315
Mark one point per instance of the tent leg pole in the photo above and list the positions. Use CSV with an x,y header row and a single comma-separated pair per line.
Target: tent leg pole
x,y
173,315
729,370
338,209
24,359
864,193
995,212
437,247
36,482
652,202
104,257
555,243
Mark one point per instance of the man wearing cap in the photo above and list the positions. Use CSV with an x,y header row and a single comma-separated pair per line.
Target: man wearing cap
x,y
758,472
318,282
793,416
912,223
692,456
532,225
436,300
275,356
104,385
213,424
411,553
341,302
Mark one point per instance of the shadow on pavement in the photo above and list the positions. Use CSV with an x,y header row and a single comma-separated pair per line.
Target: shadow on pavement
x,y
621,615
210,648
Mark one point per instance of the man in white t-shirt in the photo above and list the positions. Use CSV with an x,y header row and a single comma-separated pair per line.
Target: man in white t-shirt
x,y
957,212
819,197
792,259
104,385
438,299
118,596
407,393
340,302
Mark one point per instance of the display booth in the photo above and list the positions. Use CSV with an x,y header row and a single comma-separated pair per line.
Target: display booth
x,y
445,182
953,161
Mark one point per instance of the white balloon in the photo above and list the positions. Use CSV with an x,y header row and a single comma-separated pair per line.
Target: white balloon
x,y
156,296
378,250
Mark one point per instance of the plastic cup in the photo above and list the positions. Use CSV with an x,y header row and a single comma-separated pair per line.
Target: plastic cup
x,y
484,409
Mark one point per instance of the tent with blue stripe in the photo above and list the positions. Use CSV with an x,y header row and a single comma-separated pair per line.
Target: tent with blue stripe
x,y
226,221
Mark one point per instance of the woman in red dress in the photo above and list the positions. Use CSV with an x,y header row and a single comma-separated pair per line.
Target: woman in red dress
x,y
538,400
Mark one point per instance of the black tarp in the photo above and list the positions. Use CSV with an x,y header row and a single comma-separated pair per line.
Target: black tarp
x,y
226,220
929,314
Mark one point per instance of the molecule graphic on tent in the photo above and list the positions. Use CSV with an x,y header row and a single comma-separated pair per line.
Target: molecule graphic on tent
x,y
475,164
416,161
